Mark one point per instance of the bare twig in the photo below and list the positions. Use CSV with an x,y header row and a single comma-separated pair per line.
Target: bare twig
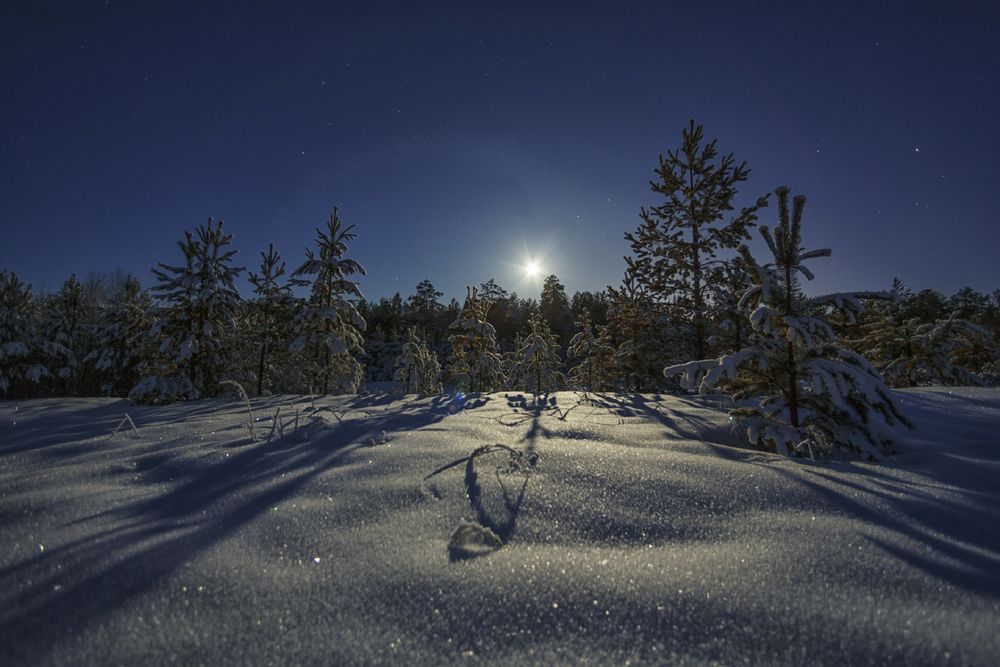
x,y
276,424
243,394
128,420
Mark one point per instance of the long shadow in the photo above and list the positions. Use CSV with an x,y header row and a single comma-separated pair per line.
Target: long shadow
x,y
540,406
950,510
502,521
130,549
945,505
959,540
681,425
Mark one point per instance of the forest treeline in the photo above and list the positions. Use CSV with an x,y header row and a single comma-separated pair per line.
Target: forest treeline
x,y
101,335
695,310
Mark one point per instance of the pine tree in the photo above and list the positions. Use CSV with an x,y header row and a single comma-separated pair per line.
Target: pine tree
x,y
596,357
24,353
677,244
502,313
69,319
538,367
65,319
197,321
270,313
476,365
120,341
417,368
492,292
554,307
809,393
329,327
912,353
639,335
424,310
730,323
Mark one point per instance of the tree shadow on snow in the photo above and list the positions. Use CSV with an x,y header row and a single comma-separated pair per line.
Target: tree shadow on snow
x,y
935,509
130,548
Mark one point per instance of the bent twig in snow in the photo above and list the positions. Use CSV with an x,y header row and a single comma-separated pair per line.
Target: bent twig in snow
x,y
126,419
243,394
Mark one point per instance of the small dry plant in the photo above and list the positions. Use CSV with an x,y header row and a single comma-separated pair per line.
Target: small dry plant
x,y
243,394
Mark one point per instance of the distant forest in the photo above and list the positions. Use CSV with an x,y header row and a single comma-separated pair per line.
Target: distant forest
x,y
691,291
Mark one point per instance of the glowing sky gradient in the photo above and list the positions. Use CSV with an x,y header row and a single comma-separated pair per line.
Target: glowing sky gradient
x,y
462,138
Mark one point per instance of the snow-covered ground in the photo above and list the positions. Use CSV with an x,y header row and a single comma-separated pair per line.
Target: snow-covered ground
x,y
643,532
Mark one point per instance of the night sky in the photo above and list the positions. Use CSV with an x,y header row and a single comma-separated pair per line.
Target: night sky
x,y
462,138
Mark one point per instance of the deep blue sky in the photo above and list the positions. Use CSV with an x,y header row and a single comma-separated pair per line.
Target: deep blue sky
x,y
461,136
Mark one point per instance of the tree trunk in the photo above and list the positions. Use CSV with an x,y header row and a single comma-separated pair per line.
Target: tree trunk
x,y
793,377
260,369
793,388
699,324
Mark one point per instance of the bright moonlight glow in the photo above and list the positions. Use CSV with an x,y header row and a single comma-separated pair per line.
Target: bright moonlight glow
x,y
531,269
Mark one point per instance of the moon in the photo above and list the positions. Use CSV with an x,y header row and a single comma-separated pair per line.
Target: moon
x,y
531,269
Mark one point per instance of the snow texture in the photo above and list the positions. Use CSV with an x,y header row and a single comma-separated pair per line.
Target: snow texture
x,y
644,533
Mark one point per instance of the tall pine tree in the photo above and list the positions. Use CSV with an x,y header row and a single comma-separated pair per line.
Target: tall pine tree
x,y
328,326
121,339
808,392
476,364
269,314
677,245
197,319
595,356
538,367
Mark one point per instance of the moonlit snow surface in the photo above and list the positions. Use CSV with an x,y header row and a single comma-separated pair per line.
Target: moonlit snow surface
x,y
642,532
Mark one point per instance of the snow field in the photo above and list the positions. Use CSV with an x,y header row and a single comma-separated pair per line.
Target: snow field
x,y
645,533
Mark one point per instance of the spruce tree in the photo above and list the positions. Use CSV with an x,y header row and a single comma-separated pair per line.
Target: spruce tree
x,y
24,351
424,310
67,316
270,312
729,320
328,326
417,368
121,339
912,353
197,319
677,245
595,357
538,368
554,307
808,392
639,332
476,364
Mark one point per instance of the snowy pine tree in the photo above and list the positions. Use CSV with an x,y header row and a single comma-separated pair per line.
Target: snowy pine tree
x,y
121,339
912,353
25,354
476,364
639,333
328,326
417,368
729,320
554,307
676,247
197,319
69,319
595,369
808,392
270,313
538,368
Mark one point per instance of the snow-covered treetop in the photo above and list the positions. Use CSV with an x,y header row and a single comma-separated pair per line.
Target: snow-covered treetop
x,y
330,268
